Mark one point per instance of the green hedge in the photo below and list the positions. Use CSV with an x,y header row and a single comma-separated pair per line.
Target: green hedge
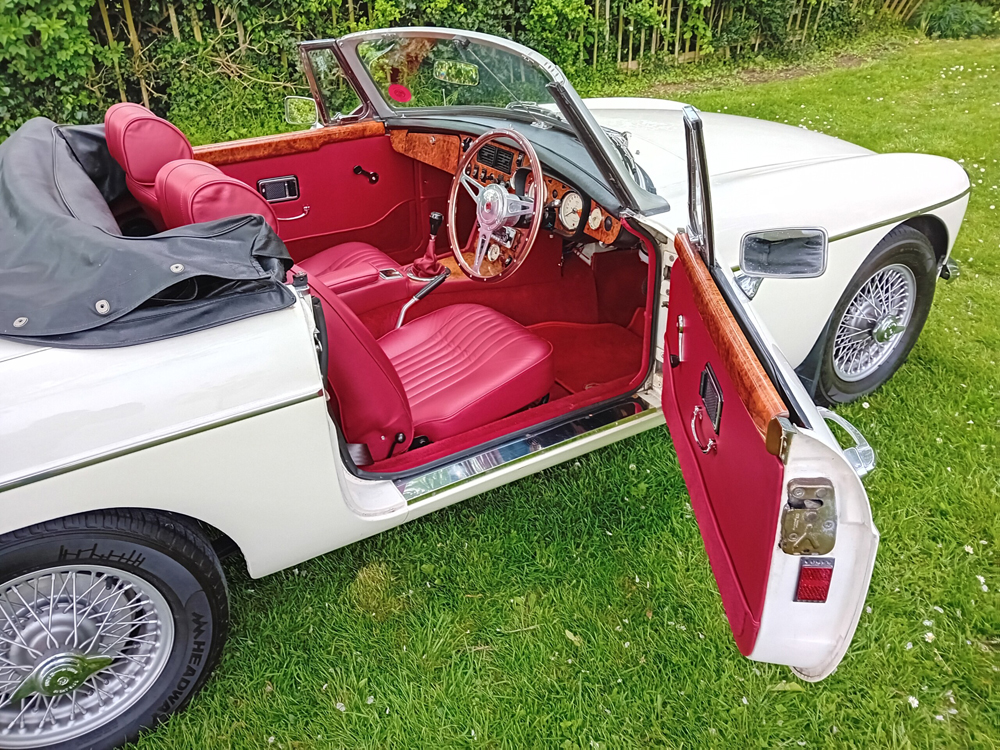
x,y
221,71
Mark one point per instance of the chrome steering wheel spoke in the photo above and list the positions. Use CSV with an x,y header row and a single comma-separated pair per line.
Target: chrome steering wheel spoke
x,y
472,187
518,207
482,245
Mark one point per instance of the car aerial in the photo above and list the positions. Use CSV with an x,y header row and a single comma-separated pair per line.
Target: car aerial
x,y
258,346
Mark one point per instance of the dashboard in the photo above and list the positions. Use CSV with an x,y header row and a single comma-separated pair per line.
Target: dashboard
x,y
569,211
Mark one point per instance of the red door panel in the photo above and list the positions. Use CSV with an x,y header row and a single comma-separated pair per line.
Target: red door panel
x,y
736,486
343,206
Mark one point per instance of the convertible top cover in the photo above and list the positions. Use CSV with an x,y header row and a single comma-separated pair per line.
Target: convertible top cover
x,y
70,278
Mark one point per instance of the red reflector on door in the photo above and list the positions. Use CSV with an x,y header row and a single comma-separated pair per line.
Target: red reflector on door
x,y
814,579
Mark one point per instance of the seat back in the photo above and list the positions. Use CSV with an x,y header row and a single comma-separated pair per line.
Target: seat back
x,y
190,192
141,143
368,394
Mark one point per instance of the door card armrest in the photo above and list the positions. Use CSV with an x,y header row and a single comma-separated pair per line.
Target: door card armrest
x,y
351,278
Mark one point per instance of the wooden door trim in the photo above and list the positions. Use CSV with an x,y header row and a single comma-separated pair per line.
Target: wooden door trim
x,y
285,144
753,386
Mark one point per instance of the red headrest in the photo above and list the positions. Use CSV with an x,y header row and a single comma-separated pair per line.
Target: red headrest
x,y
141,142
190,192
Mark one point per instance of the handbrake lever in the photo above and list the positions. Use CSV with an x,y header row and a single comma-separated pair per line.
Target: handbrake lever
x,y
426,289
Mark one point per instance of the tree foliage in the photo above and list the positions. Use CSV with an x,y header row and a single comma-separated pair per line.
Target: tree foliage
x,y
957,19
222,69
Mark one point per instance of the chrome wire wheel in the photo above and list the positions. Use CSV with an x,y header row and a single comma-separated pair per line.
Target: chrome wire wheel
x,y
79,645
872,325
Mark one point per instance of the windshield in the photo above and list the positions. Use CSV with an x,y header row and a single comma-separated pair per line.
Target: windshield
x,y
425,72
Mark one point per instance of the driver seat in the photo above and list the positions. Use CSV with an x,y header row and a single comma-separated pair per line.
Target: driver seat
x,y
455,369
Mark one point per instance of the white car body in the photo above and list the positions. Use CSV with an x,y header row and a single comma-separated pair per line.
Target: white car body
x,y
179,425
768,175
230,425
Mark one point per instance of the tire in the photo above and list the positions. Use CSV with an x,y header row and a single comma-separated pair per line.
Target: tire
x,y
903,257
151,609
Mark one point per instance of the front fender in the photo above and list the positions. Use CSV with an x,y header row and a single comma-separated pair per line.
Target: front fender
x,y
847,197
857,200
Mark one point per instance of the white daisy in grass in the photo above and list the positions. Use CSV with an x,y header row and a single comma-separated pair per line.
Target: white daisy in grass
x,y
913,701
928,637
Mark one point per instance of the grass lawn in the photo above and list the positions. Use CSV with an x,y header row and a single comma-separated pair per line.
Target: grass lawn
x,y
576,608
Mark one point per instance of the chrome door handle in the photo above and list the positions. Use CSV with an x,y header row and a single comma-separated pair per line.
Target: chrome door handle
x,y
861,456
304,214
695,419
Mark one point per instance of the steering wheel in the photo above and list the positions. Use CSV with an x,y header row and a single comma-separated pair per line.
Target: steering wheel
x,y
500,241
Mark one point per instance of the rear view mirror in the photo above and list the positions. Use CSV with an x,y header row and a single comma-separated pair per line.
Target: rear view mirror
x,y
457,72
301,110
784,253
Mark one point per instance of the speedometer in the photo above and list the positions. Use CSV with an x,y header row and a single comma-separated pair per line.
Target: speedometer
x,y
571,210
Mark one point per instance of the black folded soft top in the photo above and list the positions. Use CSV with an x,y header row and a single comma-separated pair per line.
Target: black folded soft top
x,y
69,277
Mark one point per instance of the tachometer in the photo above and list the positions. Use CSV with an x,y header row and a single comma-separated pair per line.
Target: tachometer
x,y
571,210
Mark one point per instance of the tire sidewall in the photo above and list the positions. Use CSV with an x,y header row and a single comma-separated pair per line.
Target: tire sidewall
x,y
200,623
903,246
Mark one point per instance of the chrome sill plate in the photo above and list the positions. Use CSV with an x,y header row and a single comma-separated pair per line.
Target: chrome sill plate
x,y
417,488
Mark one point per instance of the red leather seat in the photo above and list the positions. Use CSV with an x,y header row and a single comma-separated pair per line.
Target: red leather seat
x,y
142,143
188,191
464,366
453,370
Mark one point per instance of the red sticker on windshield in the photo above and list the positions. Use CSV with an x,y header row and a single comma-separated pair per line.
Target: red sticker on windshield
x,y
398,92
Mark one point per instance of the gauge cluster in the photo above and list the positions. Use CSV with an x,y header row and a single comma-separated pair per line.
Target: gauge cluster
x,y
568,212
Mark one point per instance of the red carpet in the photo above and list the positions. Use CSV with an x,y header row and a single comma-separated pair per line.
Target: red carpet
x,y
588,355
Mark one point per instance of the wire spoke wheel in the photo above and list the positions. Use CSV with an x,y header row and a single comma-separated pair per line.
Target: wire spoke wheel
x,y
79,645
872,325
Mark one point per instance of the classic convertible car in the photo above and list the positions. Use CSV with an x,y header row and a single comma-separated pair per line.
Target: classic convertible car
x,y
255,346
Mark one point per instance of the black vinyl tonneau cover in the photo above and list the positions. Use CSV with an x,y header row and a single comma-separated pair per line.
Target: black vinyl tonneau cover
x,y
68,277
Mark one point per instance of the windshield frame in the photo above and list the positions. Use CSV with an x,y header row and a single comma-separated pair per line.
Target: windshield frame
x,y
578,119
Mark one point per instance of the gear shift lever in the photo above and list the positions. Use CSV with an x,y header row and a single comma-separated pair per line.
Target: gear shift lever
x,y
428,266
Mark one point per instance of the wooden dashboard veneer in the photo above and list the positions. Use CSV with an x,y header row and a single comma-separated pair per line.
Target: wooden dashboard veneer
x,y
283,144
753,385
444,152
607,230
441,151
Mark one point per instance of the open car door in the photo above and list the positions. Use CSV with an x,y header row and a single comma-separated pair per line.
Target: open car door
x,y
780,505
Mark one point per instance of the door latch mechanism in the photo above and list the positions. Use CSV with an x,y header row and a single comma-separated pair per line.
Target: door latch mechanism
x,y
809,518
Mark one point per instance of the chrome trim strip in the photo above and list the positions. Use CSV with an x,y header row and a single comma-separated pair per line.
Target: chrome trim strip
x,y
896,220
526,446
152,443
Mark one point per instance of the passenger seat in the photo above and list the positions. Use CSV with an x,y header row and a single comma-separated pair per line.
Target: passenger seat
x,y
142,143
188,191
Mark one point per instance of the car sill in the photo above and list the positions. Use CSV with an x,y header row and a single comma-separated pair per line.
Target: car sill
x,y
590,430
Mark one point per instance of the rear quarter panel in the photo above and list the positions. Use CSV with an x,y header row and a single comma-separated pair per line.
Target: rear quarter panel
x,y
228,426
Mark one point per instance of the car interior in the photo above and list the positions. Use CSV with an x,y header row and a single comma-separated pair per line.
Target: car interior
x,y
427,356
